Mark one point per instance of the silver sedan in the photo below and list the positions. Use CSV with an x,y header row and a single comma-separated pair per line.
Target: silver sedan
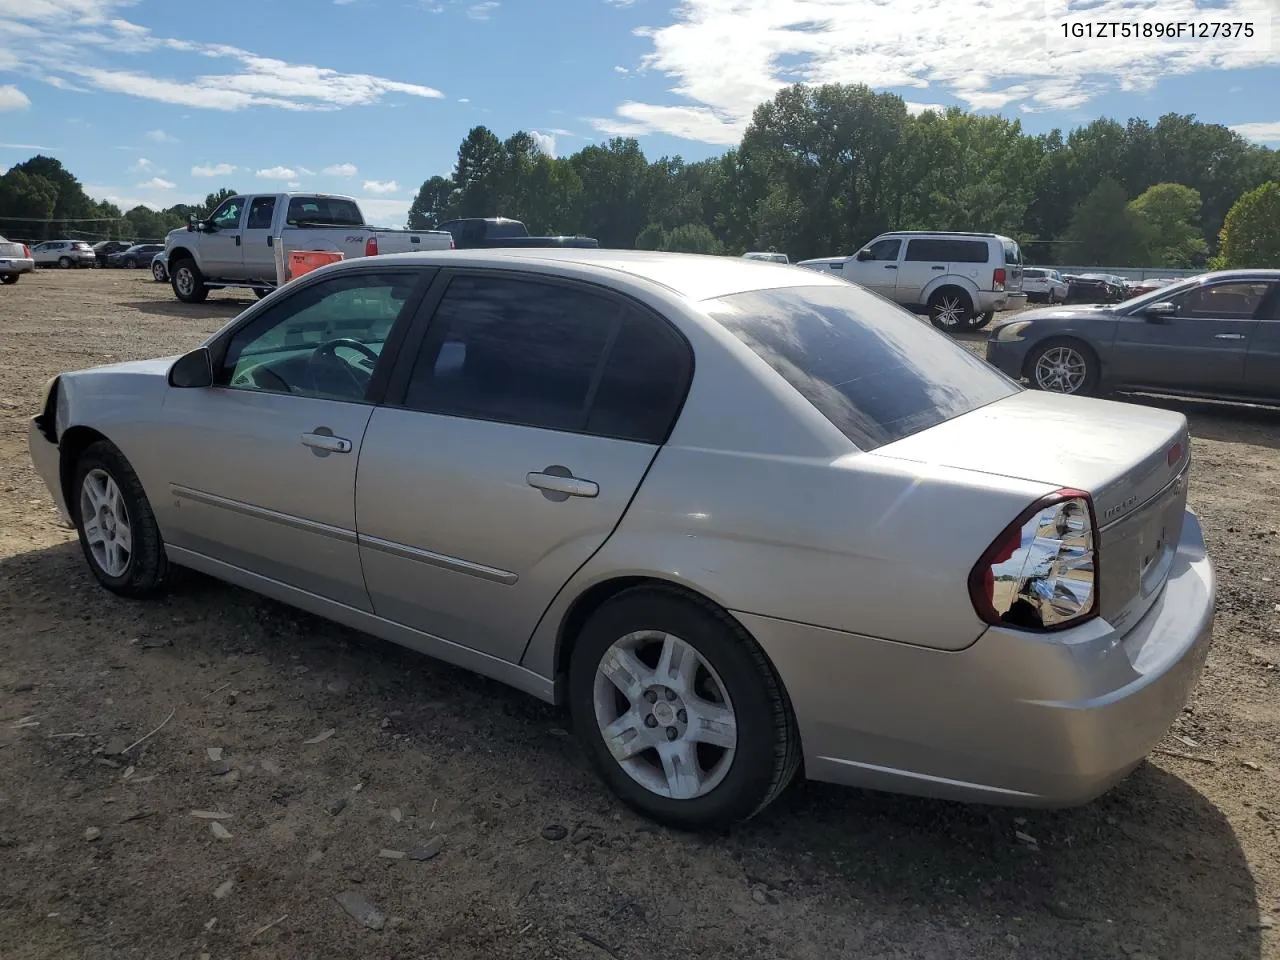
x,y
738,518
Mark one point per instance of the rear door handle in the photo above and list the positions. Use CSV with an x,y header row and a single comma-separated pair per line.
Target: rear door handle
x,y
891,266
566,486
326,442
1228,336
937,268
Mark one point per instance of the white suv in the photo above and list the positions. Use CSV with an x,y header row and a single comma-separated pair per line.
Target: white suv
x,y
959,279
1041,284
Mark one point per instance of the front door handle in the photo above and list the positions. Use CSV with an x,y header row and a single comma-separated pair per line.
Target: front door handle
x,y
937,268
557,486
891,266
326,442
1228,336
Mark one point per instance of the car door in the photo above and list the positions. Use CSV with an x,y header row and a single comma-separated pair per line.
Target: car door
x,y
923,261
262,465
1200,345
1262,363
220,254
877,267
257,252
523,425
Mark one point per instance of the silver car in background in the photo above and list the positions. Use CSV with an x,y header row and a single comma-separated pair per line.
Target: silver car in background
x,y
734,516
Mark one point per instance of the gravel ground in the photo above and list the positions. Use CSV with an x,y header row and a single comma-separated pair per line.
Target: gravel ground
x,y
105,858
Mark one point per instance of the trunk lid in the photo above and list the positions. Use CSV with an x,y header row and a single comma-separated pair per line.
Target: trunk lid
x,y
1131,459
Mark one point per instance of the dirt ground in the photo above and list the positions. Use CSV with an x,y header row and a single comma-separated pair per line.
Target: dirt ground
x,y
101,855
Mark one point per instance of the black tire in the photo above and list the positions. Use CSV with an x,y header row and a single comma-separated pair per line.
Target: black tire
x,y
10,278
186,276
950,309
131,264
158,274
982,319
767,752
1092,367
147,567
64,263
261,292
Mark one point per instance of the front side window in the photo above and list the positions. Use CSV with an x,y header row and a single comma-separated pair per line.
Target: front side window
x,y
876,372
884,250
227,216
1237,300
324,340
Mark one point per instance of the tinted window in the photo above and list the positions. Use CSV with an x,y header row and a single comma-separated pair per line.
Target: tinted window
x,y
872,369
1230,301
1031,273
951,251
644,382
1012,253
260,212
321,341
884,249
324,211
506,231
514,351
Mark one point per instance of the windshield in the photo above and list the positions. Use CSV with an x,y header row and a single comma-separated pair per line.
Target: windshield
x,y
875,371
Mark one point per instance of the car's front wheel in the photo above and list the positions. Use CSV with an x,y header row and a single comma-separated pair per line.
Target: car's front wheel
x,y
680,711
115,523
10,278
188,282
157,271
1064,366
64,263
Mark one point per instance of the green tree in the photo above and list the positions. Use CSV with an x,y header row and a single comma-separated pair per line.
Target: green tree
x,y
1251,233
478,175
29,199
1170,218
652,237
1104,231
213,200
692,238
431,205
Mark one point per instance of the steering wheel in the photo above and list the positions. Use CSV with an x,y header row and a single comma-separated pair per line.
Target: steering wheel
x,y
326,356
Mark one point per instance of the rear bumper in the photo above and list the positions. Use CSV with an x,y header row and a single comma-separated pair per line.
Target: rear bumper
x,y
19,265
1016,718
45,458
999,300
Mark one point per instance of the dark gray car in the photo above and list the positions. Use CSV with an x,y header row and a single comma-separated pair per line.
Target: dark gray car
x,y
1214,335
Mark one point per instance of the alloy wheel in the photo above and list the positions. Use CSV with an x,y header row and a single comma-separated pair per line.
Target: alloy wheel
x,y
950,311
106,523
1061,369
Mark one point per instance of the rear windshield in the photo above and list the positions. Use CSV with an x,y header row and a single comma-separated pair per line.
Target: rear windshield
x,y
1031,273
324,211
1012,253
507,230
875,371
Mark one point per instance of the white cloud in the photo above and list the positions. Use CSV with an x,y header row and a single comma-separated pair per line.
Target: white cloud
x,y
384,213
620,3
724,57
277,173
381,186
213,170
915,109
60,41
293,185
142,165
157,183
546,142
341,170
482,11
1262,132
617,69
11,98
24,146
561,132
159,136
464,99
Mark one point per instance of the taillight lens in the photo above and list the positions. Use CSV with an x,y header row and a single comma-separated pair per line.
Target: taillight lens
x,y
997,279
1042,572
26,252
371,245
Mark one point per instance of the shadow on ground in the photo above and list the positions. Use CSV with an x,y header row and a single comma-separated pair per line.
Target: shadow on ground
x,y
220,309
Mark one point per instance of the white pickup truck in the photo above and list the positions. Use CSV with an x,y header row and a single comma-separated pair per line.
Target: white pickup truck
x,y
235,245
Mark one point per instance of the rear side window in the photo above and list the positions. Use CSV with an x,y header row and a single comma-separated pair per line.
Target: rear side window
x,y
324,211
948,250
260,211
872,369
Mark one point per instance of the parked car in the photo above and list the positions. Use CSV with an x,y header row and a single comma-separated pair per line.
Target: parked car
x,y
1215,335
473,233
103,249
15,260
770,256
1149,284
136,257
560,468
1092,288
1042,285
63,253
160,267
234,246
959,279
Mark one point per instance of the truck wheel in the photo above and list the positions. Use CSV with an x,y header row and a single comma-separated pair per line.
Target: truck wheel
x,y
188,282
951,310
64,263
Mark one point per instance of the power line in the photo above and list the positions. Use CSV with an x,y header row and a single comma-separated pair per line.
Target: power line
x,y
62,219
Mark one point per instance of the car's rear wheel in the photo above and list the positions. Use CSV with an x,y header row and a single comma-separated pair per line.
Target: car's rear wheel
x,y
9,278
157,271
982,319
680,711
188,282
1064,366
951,309
115,523
64,263
131,264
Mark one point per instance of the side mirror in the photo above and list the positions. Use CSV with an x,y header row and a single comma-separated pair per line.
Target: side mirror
x,y
1156,312
863,255
194,369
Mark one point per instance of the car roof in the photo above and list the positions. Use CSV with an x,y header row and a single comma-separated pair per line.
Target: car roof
x,y
693,276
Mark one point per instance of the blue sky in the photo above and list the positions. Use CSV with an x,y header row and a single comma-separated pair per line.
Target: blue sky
x,y
160,102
